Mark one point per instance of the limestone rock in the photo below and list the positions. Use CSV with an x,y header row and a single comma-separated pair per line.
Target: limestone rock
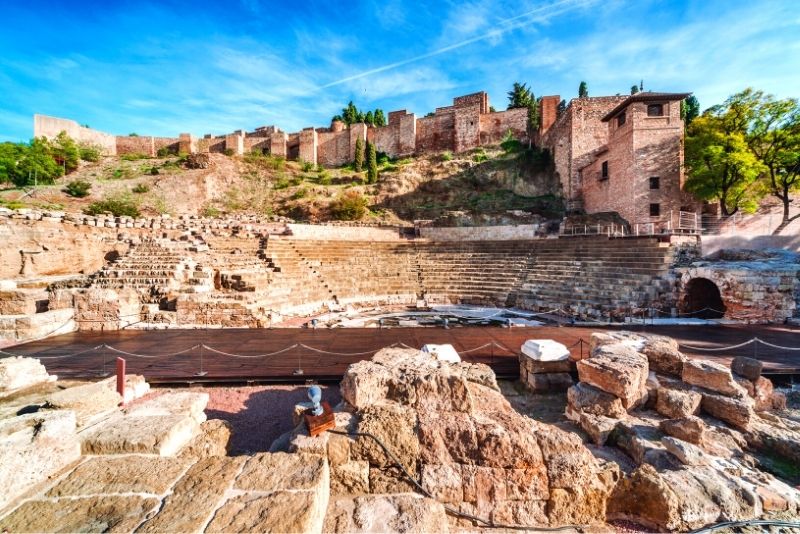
x,y
34,447
183,403
443,482
136,387
546,382
639,441
591,400
663,355
405,512
392,424
713,376
154,434
280,511
195,496
676,403
17,372
89,402
213,439
107,513
544,350
120,474
266,472
737,412
749,368
652,386
350,478
686,452
619,370
763,393
598,427
690,429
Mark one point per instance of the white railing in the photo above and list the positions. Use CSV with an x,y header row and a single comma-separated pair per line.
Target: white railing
x,y
680,222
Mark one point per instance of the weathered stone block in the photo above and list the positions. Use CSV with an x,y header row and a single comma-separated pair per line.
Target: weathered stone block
x,y
33,447
404,512
676,403
689,428
88,401
17,372
663,355
592,400
713,376
749,368
737,412
685,452
619,370
350,478
549,382
184,403
157,434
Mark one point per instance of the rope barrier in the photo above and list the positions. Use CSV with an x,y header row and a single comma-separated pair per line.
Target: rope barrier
x,y
252,356
149,356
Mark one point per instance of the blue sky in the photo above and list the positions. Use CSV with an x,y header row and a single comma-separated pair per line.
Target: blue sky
x,y
160,68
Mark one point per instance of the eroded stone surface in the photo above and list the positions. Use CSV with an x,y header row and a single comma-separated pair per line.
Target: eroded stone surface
x,y
195,496
283,471
17,372
88,401
184,403
619,370
280,511
86,514
713,376
34,447
157,434
405,512
120,474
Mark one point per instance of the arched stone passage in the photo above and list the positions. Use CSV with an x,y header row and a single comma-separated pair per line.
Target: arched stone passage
x,y
703,300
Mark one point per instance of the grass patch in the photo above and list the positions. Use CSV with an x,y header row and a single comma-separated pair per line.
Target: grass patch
x,y
134,156
116,206
141,188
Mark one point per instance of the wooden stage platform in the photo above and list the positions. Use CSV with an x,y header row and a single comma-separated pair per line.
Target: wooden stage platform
x,y
261,355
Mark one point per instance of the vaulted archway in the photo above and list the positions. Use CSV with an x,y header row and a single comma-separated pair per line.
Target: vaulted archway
x,y
702,299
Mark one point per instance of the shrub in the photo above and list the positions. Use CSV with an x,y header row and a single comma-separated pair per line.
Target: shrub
x,y
121,174
382,158
447,155
324,178
282,182
509,144
229,152
480,156
211,211
163,152
349,206
133,156
154,171
78,188
295,181
90,152
267,161
141,188
116,206
300,193
306,166
65,151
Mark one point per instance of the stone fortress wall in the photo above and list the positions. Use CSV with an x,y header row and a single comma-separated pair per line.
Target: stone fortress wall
x,y
465,125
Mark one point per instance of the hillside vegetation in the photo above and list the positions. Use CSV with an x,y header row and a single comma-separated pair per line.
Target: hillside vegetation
x,y
483,185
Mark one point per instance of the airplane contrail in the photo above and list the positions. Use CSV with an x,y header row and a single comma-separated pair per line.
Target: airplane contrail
x,y
509,23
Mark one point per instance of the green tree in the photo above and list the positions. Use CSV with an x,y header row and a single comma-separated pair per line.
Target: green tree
x,y
690,109
562,107
349,206
634,89
774,138
10,155
521,96
380,118
358,159
350,114
369,118
583,90
372,163
66,152
720,164
37,166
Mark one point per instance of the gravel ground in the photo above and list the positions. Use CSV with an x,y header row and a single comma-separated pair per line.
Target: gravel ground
x,y
258,414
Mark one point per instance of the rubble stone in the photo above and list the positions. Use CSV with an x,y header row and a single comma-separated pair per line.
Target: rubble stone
x,y
690,428
619,370
676,403
713,376
592,400
405,512
88,401
157,434
749,368
663,355
17,372
737,412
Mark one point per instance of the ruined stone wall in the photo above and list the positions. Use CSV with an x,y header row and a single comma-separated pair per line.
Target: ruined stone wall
x,y
145,144
260,144
44,248
548,112
494,126
210,144
713,243
762,295
50,127
480,99
398,137
436,133
479,233
467,128
333,148
277,144
343,233
582,133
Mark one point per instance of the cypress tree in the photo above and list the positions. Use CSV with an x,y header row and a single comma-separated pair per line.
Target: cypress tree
x,y
358,161
372,163
583,90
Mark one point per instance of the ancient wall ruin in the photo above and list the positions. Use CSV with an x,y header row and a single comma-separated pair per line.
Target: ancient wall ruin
x,y
50,127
